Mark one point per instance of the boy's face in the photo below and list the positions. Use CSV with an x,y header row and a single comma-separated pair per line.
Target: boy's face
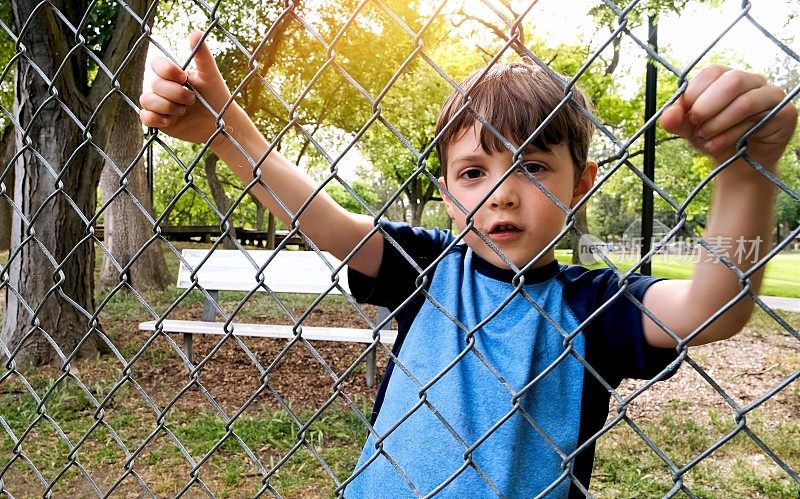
x,y
517,217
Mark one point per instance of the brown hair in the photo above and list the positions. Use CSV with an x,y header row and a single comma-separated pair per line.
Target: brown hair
x,y
515,98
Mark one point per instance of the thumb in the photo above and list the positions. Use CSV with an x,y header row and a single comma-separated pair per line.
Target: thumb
x,y
203,58
675,119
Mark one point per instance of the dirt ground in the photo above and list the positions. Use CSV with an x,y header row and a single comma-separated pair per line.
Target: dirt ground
x,y
745,368
303,376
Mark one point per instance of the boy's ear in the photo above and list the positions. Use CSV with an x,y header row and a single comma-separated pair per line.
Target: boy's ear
x,y
448,203
585,183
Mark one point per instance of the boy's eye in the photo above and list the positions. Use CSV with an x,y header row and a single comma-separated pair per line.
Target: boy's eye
x,y
531,168
472,173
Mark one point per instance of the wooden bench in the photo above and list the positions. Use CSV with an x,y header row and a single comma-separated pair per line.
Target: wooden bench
x,y
289,272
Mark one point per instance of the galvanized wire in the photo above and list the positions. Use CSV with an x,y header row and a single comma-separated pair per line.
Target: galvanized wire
x,y
511,39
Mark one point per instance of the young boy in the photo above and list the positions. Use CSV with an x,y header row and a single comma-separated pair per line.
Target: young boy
x,y
497,388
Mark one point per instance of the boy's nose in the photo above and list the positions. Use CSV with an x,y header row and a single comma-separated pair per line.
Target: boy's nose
x,y
505,196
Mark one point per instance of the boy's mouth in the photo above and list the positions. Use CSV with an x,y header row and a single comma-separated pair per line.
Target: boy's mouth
x,y
500,229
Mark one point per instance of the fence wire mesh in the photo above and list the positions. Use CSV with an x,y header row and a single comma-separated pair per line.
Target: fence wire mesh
x,y
282,417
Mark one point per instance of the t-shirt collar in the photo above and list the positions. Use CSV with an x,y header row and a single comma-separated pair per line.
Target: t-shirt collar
x,y
532,276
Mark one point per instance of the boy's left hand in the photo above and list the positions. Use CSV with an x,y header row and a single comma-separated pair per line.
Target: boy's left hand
x,y
720,105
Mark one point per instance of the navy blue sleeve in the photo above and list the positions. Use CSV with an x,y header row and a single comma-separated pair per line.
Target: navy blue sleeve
x,y
397,277
615,342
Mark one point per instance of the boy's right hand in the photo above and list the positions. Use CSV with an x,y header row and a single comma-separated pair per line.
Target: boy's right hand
x,y
173,108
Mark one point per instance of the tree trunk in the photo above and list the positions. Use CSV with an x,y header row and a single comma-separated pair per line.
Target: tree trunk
x,y
582,224
261,210
48,314
44,277
7,150
417,210
220,198
271,231
127,229
418,194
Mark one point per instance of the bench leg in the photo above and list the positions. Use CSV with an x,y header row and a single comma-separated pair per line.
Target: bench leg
x,y
208,315
371,368
208,306
187,346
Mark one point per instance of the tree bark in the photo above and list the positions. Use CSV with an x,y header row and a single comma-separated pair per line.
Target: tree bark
x,y
271,231
7,150
49,314
220,198
417,210
582,224
418,196
126,229
261,210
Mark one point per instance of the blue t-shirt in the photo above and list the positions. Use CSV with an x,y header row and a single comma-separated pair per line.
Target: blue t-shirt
x,y
490,395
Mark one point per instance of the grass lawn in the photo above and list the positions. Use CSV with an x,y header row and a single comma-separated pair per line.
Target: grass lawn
x,y
164,465
624,467
782,273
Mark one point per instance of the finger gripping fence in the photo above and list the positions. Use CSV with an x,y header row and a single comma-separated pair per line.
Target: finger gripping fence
x,y
101,391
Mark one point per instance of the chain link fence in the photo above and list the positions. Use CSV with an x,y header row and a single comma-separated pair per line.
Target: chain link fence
x,y
151,416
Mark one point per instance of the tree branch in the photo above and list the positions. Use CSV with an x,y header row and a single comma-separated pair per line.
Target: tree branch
x,y
612,66
127,32
252,99
636,153
518,44
308,140
123,42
